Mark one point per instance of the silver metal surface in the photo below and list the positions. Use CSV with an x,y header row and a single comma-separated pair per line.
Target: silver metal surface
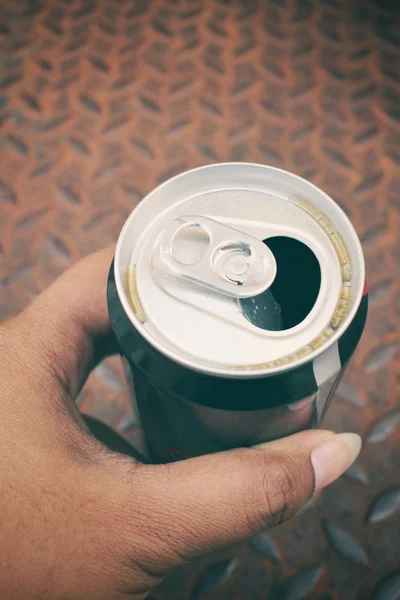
x,y
233,262
201,326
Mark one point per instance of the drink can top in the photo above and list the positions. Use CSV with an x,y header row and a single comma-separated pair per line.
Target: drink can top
x,y
239,270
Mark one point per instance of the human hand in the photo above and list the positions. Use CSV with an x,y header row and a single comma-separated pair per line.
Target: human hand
x,y
81,522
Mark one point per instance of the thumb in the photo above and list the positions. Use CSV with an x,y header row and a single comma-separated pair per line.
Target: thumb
x,y
205,503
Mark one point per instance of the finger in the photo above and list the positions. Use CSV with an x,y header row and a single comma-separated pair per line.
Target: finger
x,y
66,330
205,503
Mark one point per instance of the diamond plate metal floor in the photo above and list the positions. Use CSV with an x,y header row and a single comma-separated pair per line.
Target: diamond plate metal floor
x,y
100,101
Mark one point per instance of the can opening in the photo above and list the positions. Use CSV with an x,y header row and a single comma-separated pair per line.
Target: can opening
x,y
294,291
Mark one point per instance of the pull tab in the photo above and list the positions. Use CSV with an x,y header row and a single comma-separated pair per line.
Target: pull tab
x,y
233,263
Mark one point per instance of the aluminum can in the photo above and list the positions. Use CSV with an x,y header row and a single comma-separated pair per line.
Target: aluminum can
x,y
237,294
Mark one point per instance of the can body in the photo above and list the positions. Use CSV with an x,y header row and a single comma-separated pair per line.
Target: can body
x,y
183,412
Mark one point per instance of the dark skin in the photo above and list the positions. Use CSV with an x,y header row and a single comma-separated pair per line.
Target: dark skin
x,y
82,522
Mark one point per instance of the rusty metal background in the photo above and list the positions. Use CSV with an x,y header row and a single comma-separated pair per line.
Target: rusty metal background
x,y
101,100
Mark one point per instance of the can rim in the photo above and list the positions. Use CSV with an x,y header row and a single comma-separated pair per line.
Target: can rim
x,y
220,371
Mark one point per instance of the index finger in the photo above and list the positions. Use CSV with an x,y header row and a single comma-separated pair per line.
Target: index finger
x,y
67,326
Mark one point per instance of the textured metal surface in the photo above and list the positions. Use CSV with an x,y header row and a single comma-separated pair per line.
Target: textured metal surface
x,y
100,101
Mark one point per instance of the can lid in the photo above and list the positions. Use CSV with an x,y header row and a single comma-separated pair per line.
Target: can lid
x,y
239,269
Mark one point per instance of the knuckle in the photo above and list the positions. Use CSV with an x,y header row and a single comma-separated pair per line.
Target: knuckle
x,y
272,489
